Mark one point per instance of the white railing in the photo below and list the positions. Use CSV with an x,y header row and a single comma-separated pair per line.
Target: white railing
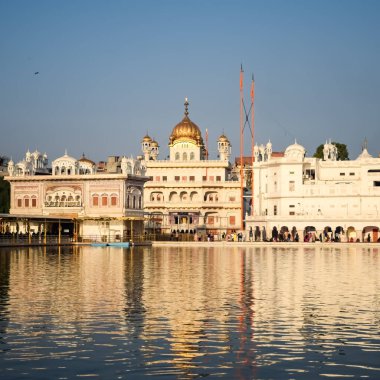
x,y
63,204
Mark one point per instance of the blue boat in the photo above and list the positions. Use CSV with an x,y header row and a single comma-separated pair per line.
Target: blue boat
x,y
98,244
122,244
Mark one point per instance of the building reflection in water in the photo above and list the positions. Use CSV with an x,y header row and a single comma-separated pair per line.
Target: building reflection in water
x,y
5,260
244,313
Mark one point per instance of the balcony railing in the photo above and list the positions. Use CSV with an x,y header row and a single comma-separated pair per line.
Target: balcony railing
x,y
63,204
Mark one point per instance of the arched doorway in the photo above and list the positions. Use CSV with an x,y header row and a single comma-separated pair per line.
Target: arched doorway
x,y
370,234
309,233
351,234
338,233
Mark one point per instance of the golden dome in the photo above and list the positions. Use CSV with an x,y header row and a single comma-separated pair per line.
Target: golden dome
x,y
154,143
223,138
146,138
85,159
186,130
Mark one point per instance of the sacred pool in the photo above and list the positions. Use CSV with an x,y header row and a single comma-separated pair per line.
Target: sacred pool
x,y
253,312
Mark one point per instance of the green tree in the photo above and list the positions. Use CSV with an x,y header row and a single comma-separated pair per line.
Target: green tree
x,y
3,160
342,151
4,196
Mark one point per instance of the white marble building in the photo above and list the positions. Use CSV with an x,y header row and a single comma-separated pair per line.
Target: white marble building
x,y
33,163
316,195
189,193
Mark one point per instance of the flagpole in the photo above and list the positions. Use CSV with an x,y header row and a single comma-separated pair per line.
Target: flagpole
x,y
253,136
206,144
241,150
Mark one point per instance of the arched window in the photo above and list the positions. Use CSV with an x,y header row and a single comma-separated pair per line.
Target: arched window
x,y
192,156
140,202
184,156
95,200
104,200
134,202
34,201
26,201
19,202
177,156
128,201
113,200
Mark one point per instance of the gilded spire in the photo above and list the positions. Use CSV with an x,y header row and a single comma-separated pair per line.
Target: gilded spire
x,y
186,104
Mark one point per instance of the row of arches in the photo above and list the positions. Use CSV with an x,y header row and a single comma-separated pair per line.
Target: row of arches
x,y
69,170
26,201
63,200
184,196
105,200
312,234
63,197
185,156
113,200
134,201
337,234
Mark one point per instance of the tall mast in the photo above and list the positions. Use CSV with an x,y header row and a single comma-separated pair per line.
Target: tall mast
x,y
241,148
206,144
253,137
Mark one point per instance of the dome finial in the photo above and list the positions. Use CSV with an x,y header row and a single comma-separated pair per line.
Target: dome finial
x,y
365,144
186,104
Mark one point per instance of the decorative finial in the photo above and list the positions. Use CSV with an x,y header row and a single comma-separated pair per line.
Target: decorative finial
x,y
365,144
186,107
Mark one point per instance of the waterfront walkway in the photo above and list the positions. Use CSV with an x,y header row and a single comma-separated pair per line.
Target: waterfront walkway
x,y
258,244
218,244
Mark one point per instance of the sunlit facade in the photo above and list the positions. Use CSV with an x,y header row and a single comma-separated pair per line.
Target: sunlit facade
x,y
189,193
106,206
325,196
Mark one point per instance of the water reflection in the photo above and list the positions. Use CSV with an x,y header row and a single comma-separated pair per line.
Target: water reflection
x,y
242,313
4,298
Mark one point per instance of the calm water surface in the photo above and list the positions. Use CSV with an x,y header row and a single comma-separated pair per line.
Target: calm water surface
x,y
185,313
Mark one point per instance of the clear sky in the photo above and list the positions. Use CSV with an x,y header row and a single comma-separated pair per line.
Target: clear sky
x,y
110,71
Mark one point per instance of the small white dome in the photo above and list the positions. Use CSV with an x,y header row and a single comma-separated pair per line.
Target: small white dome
x,y
295,151
364,155
65,158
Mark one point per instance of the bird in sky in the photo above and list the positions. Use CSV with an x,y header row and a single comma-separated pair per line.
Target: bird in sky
x,y
37,72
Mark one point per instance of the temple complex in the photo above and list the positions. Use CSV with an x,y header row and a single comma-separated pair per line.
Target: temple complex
x,y
190,193
76,200
326,197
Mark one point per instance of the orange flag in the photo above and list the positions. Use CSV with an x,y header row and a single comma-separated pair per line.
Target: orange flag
x,y
241,77
252,89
